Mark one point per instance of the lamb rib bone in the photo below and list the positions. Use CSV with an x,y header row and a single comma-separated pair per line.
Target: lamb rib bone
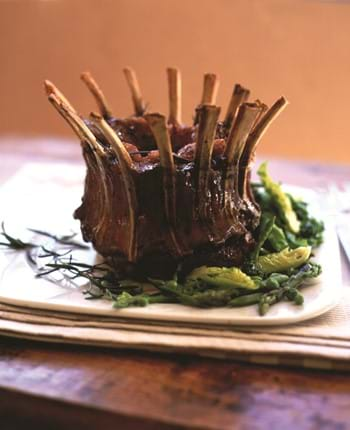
x,y
210,89
97,93
126,167
137,99
50,88
86,137
245,120
263,110
157,123
174,86
252,143
76,123
239,96
209,94
208,116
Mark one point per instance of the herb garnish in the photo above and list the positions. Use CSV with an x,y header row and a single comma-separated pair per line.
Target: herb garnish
x,y
12,243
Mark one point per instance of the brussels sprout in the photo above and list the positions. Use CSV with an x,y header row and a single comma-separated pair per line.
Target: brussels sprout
x,y
280,199
284,260
222,277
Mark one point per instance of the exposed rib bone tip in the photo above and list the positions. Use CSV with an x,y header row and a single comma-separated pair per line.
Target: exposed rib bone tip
x,y
133,84
210,88
128,70
95,115
240,95
175,95
97,93
85,75
48,87
154,117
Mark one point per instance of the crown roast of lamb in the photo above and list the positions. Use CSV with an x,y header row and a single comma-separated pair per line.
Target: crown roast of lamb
x,y
159,194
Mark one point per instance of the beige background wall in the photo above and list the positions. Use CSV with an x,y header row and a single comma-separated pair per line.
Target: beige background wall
x,y
299,48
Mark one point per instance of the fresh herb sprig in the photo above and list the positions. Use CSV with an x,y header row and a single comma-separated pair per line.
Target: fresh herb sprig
x,y
14,243
102,281
64,240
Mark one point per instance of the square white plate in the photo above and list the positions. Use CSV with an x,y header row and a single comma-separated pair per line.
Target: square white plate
x,y
44,196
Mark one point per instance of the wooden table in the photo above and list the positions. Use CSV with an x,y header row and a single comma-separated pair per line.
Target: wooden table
x,y
49,386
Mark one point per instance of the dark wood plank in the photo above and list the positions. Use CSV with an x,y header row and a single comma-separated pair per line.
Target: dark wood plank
x,y
20,411
140,390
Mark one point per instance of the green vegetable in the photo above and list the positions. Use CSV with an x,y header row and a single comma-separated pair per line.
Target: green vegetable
x,y
222,277
273,281
311,229
247,300
209,298
206,298
280,199
265,227
289,290
125,300
277,239
284,260
298,276
269,299
295,241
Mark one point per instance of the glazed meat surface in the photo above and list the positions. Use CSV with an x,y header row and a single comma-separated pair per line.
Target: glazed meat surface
x,y
161,196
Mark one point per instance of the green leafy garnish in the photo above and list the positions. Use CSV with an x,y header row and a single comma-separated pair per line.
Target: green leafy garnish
x,y
222,277
284,260
311,229
279,199
277,239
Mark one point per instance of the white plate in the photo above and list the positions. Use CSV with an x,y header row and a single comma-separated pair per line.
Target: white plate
x,y
44,197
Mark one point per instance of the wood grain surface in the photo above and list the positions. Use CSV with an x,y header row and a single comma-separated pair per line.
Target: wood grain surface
x,y
49,386
141,390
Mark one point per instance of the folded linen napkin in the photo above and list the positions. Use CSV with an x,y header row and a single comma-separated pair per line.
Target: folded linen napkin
x,y
323,342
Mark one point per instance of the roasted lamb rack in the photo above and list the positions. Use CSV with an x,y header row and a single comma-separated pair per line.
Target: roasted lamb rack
x,y
160,195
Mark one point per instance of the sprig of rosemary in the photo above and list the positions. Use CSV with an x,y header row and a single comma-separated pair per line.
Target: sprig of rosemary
x,y
13,243
64,240
18,244
102,280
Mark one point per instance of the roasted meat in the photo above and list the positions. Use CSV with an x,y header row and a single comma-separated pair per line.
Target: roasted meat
x,y
160,195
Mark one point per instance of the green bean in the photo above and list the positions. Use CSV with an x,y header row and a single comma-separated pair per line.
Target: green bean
x,y
246,300
266,224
